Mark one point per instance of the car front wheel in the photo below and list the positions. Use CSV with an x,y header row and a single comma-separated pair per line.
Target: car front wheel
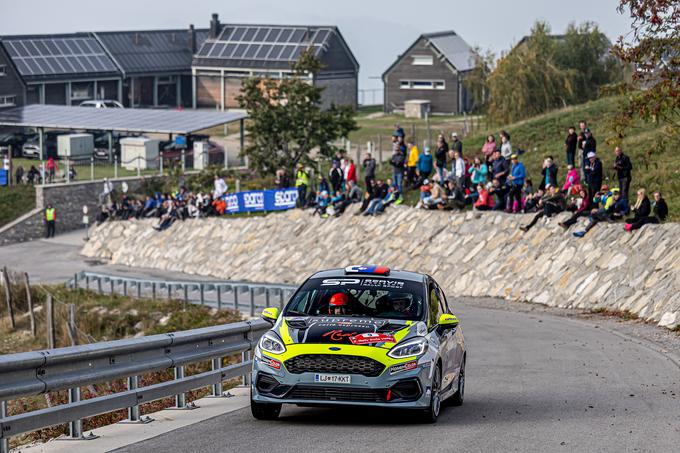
x,y
457,399
264,411
431,414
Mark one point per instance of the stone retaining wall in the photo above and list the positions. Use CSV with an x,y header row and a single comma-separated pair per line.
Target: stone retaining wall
x,y
471,254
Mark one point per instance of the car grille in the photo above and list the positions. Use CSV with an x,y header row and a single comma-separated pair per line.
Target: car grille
x,y
330,363
313,392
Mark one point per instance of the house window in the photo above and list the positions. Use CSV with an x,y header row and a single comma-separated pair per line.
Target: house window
x,y
3,70
422,84
8,101
423,60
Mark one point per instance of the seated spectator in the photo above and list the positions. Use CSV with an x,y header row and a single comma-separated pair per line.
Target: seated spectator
x,y
378,204
500,194
433,197
484,199
220,205
282,179
527,191
572,182
660,211
322,202
353,192
551,204
455,199
168,216
614,209
323,185
582,209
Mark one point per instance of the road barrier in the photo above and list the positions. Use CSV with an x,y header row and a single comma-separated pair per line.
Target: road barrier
x,y
210,293
34,373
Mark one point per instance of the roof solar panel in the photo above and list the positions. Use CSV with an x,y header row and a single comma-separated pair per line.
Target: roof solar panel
x,y
320,36
261,33
228,50
273,35
298,35
286,53
252,50
249,34
216,50
296,53
263,51
238,34
285,35
240,50
52,46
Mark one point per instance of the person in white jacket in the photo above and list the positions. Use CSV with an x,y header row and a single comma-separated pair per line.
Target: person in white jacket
x,y
220,187
506,146
457,169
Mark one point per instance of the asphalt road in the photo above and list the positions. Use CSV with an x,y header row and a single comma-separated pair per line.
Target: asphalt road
x,y
535,383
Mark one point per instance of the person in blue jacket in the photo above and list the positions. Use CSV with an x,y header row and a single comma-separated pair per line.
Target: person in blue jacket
x,y
425,164
518,174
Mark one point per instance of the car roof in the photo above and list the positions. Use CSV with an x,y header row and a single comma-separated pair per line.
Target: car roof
x,y
398,274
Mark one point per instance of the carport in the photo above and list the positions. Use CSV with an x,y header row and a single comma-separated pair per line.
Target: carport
x,y
144,121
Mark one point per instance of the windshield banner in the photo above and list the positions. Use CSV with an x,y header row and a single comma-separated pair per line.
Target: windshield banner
x,y
261,200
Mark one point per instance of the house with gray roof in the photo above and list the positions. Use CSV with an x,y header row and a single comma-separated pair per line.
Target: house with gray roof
x,y
433,69
232,52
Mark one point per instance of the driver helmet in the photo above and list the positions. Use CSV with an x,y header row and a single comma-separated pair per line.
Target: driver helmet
x,y
339,304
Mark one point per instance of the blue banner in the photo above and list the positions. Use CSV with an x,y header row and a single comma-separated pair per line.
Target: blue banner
x,y
3,177
261,200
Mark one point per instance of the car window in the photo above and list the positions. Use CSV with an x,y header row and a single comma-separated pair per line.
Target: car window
x,y
435,306
443,301
110,104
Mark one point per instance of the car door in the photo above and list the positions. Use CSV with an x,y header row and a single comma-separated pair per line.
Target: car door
x,y
457,341
444,337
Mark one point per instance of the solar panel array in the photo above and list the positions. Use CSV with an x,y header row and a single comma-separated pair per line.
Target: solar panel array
x,y
265,43
58,56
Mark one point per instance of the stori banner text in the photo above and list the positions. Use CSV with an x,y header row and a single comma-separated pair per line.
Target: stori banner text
x,y
261,200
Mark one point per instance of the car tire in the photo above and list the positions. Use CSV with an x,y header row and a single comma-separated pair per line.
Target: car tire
x,y
431,414
264,411
457,398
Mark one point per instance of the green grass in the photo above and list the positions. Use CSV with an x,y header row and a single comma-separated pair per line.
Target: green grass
x,y
15,201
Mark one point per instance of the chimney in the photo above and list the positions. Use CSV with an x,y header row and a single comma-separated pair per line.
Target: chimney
x,y
192,39
214,26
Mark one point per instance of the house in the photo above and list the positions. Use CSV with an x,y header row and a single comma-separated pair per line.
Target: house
x,y
232,52
56,69
433,68
156,64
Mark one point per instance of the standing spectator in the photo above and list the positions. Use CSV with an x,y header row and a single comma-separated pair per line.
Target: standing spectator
x,y
282,179
440,157
50,220
624,169
580,139
457,168
425,164
412,162
589,146
369,170
478,172
570,144
548,173
506,146
301,184
398,162
51,168
351,173
335,176
500,167
19,175
220,187
106,194
398,131
593,170
572,181
456,144
518,174
489,147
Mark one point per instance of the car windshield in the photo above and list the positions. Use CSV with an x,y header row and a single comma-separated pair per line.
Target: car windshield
x,y
359,296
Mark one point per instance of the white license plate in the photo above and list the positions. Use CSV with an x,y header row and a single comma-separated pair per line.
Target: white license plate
x,y
333,378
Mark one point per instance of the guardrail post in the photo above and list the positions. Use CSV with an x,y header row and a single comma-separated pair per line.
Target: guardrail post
x,y
252,302
75,281
202,289
153,291
280,298
91,168
125,288
99,285
180,399
186,296
219,297
266,297
87,282
235,298
75,427
245,356
133,411
216,388
4,442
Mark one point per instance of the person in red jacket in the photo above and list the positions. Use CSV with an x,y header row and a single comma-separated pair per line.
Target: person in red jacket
x,y
582,211
352,172
51,168
484,200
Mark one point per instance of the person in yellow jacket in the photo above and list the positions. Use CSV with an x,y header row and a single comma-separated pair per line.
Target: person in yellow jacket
x,y
50,220
301,183
412,162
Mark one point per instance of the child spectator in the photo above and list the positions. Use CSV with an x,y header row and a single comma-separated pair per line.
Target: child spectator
x,y
506,146
572,181
484,199
517,176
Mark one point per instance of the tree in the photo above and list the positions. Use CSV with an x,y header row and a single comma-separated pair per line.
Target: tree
x,y
286,119
653,48
476,80
527,81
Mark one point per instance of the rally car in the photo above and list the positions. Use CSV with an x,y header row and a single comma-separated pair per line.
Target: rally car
x,y
361,336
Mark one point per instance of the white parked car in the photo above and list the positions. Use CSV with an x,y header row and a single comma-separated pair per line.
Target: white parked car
x,y
102,104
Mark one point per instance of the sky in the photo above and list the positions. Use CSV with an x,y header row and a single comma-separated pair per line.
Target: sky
x,y
377,30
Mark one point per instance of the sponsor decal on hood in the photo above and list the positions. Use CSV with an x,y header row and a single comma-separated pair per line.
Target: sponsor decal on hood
x,y
345,330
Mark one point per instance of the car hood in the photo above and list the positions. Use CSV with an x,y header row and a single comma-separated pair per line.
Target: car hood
x,y
346,330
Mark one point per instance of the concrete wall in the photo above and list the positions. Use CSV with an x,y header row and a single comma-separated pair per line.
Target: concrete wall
x,y
471,254
68,200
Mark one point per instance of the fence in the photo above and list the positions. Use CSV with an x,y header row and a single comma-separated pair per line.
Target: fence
x,y
216,294
40,372
373,96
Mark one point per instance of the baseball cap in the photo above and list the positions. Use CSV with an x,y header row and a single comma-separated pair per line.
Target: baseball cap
x,y
590,155
514,156
426,182
454,134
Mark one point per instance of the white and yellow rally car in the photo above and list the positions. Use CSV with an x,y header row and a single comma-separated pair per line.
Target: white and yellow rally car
x,y
364,335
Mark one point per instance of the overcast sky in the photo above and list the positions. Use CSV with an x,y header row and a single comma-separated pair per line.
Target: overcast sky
x,y
376,30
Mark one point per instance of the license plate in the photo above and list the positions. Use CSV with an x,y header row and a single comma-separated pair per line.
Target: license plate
x,y
333,378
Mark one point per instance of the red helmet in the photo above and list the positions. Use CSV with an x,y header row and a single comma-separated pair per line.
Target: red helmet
x,y
339,302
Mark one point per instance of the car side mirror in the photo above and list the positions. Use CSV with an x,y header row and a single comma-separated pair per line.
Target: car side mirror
x,y
447,321
270,314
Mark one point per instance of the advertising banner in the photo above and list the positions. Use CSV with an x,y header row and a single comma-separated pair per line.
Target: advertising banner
x,y
261,200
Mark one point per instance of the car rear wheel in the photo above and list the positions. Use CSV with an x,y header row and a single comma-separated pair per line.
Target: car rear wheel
x,y
431,414
264,411
457,399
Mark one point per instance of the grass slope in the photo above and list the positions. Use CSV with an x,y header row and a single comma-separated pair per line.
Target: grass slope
x,y
15,201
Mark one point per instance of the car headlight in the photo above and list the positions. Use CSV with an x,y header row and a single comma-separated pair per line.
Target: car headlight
x,y
271,342
414,347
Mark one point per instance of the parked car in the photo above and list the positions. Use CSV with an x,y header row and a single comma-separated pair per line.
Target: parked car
x,y
13,139
102,104
31,149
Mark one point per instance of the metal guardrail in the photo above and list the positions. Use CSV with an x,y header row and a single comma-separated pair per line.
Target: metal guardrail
x,y
34,373
208,292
